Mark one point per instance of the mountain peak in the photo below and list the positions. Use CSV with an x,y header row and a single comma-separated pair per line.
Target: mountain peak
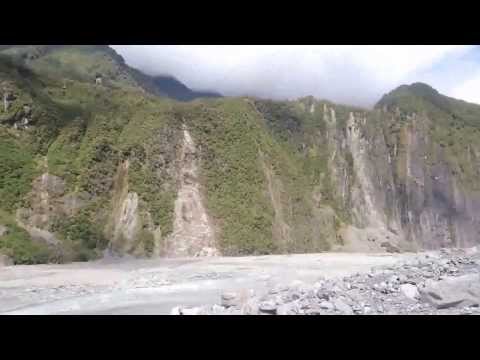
x,y
411,97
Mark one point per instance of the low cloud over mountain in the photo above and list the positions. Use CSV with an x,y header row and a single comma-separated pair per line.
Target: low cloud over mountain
x,y
357,75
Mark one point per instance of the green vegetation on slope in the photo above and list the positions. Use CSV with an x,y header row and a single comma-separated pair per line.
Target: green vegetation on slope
x,y
229,137
18,245
17,170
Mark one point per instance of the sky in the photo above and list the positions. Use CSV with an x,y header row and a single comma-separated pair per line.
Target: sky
x,y
349,74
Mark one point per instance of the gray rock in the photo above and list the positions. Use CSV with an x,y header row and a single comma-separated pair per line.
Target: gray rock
x,y
458,291
235,299
410,291
326,305
313,311
273,291
288,309
367,310
452,269
250,307
394,279
268,307
323,294
343,307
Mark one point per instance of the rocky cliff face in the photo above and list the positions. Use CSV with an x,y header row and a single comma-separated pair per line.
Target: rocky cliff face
x,y
409,181
112,167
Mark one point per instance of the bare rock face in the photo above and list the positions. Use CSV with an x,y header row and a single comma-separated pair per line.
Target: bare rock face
x,y
124,222
45,200
192,228
396,181
127,220
48,203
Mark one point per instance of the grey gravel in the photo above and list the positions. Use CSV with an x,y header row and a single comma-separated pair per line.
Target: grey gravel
x,y
442,282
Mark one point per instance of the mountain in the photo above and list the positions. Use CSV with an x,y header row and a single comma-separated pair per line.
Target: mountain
x,y
90,166
176,90
419,96
85,62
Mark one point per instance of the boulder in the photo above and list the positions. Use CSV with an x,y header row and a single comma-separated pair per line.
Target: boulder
x,y
343,307
288,309
230,298
236,298
458,291
326,305
410,291
268,307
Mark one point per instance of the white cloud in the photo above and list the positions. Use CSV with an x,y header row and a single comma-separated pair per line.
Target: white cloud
x,y
351,74
469,90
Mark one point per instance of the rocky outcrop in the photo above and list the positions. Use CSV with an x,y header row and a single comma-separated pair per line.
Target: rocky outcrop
x,y
130,227
398,185
46,207
124,223
49,202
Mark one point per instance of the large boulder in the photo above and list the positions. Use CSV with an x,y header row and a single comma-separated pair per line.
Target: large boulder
x,y
458,291
410,291
236,299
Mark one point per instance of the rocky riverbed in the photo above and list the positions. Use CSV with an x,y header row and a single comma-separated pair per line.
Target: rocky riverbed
x,y
441,282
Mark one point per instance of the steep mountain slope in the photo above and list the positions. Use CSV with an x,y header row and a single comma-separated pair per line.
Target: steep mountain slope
x,y
89,166
87,62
